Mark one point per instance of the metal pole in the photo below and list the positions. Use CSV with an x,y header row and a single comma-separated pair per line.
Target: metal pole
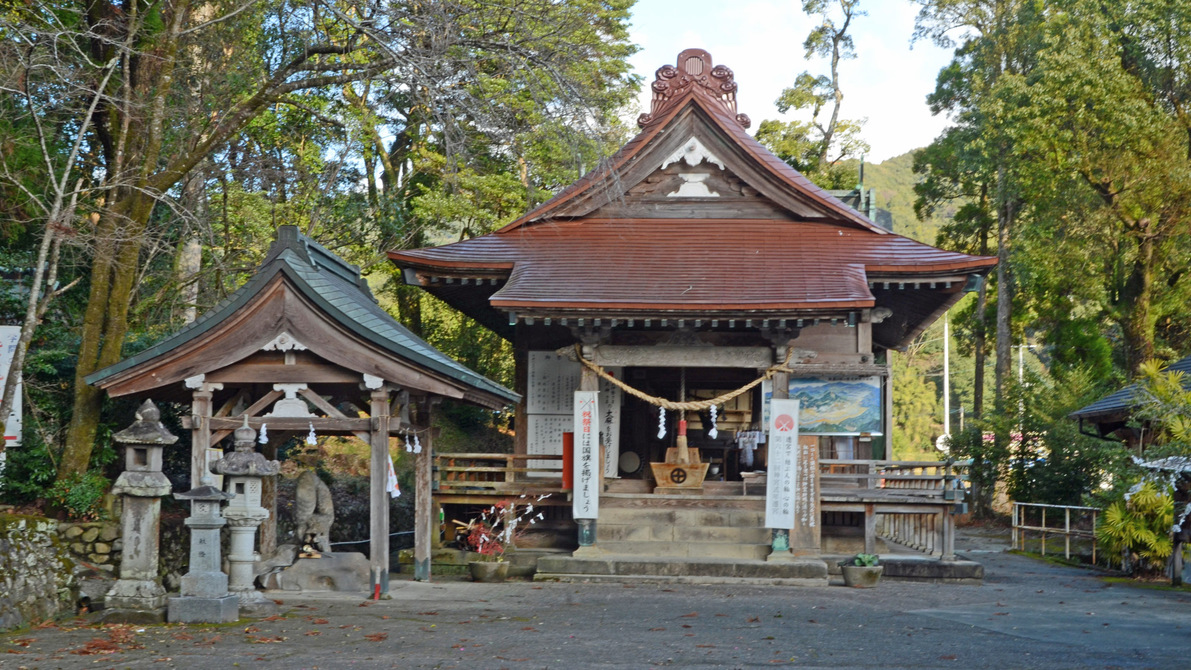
x,y
946,375
1043,531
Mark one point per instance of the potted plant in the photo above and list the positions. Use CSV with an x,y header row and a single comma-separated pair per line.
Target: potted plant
x,y
862,571
493,533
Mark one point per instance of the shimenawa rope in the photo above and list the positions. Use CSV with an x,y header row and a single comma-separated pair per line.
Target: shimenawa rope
x,y
690,405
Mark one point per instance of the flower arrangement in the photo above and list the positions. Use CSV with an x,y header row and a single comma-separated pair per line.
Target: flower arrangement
x,y
497,528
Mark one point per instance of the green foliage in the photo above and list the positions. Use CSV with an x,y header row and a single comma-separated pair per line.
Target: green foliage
x,y
987,456
1135,530
819,147
866,560
1163,402
917,414
80,495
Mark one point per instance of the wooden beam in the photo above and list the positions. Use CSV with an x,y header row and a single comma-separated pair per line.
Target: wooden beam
x,y
299,424
676,356
253,409
279,373
332,411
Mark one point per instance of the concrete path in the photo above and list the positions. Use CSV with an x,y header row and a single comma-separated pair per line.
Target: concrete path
x,y
1028,614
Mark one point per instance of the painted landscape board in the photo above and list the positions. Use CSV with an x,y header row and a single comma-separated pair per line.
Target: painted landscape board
x,y
835,406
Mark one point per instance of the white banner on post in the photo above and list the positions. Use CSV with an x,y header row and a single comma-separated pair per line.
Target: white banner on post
x,y
9,337
782,478
586,504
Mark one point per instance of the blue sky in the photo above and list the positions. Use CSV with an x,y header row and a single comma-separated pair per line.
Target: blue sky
x,y
761,40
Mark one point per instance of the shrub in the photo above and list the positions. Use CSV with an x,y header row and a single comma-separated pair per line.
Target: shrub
x,y
1135,531
80,495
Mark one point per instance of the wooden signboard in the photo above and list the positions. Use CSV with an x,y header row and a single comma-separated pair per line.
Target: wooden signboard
x,y
9,337
783,496
553,380
586,502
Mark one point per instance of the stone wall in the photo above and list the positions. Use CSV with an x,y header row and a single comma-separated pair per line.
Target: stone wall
x,y
36,573
97,543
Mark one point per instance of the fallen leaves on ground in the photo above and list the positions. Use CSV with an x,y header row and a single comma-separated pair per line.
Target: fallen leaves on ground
x,y
265,639
376,637
24,641
119,638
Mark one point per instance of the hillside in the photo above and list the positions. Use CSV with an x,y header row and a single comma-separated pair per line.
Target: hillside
x,y
893,181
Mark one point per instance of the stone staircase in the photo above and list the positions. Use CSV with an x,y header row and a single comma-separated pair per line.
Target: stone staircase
x,y
681,538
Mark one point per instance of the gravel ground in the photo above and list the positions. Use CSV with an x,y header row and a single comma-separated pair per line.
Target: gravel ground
x,y
1028,614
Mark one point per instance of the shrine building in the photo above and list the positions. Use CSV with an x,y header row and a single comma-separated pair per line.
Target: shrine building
x,y
693,264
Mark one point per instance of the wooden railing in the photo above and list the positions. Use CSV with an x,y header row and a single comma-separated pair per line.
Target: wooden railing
x,y
932,479
908,502
467,474
1077,522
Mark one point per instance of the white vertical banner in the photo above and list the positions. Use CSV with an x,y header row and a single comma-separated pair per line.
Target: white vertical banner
x,y
586,503
9,337
782,478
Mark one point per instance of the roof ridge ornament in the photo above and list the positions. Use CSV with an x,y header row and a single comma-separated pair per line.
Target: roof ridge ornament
x,y
694,71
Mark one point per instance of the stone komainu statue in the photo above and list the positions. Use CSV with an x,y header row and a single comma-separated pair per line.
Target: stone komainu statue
x,y
314,512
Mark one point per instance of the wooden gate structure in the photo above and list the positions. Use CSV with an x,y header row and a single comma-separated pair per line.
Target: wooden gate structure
x,y
688,265
300,347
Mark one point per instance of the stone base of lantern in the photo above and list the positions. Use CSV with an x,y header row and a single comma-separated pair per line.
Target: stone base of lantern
x,y
135,601
194,609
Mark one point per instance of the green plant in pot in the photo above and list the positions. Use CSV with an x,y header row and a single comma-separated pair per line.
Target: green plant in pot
x,y
862,571
493,533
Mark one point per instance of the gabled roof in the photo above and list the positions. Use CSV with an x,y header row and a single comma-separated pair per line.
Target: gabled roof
x,y
338,292
1119,404
621,241
693,83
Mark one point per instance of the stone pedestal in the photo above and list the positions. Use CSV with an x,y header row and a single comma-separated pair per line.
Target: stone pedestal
x,y
138,597
205,597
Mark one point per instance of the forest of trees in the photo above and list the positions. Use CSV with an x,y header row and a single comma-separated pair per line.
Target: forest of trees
x,y
149,148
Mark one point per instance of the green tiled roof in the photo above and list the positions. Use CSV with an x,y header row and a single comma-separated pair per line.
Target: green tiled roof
x,y
339,291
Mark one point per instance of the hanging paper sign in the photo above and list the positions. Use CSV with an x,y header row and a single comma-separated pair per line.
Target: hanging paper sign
x,y
782,478
9,337
586,504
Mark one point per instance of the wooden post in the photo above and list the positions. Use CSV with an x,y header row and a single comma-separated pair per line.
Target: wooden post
x,y
200,429
423,503
870,529
267,533
378,547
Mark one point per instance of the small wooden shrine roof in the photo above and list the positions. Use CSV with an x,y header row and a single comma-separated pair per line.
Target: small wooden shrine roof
x,y
693,218
1118,405
303,292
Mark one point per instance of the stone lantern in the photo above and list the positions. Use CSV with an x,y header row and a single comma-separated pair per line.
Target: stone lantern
x,y
205,597
242,471
138,595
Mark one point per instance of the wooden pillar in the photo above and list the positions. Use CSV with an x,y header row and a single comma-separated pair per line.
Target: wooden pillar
x,y
521,386
200,429
423,502
267,534
870,529
378,547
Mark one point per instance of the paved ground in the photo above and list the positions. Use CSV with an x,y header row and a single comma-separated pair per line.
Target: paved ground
x,y
1028,614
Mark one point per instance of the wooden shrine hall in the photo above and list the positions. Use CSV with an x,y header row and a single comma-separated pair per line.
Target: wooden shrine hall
x,y
303,346
693,264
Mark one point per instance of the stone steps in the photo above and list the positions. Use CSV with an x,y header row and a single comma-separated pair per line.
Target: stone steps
x,y
682,527
641,569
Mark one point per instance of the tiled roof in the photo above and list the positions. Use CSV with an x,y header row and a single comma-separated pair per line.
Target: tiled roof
x,y
692,264
338,289
1121,402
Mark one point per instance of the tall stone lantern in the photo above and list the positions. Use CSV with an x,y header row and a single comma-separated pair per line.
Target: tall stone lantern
x,y
242,471
138,595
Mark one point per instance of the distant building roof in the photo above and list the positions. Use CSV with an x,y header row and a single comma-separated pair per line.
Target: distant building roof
x,y
1119,404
